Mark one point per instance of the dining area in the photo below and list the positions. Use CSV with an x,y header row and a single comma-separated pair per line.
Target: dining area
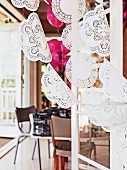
x,y
43,125
44,142
63,87
30,147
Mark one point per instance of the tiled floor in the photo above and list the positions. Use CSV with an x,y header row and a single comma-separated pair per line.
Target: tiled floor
x,y
24,161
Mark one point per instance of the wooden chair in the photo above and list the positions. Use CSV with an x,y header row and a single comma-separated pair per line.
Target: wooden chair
x,y
61,127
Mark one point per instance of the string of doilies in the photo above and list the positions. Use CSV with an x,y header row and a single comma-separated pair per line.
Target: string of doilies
x,y
92,36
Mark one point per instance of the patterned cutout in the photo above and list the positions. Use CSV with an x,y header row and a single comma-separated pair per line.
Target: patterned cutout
x,y
114,84
94,121
67,37
31,5
85,70
101,111
107,114
106,128
61,15
33,41
56,89
95,31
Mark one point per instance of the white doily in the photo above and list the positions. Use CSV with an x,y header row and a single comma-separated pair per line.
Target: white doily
x,y
56,89
101,111
123,153
67,37
94,121
33,41
31,5
85,70
108,115
63,10
106,128
90,99
95,31
114,84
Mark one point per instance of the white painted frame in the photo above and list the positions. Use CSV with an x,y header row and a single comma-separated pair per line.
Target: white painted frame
x,y
7,128
116,34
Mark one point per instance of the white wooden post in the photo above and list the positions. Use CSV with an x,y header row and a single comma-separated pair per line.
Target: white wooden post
x,y
18,79
116,34
74,115
116,21
26,95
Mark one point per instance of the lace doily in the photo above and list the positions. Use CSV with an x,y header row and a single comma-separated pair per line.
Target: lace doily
x,y
31,5
94,97
63,10
106,128
85,70
108,115
94,121
123,152
33,41
102,112
67,37
56,89
114,84
95,31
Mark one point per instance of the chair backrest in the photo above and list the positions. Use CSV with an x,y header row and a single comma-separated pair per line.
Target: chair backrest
x,y
22,114
60,127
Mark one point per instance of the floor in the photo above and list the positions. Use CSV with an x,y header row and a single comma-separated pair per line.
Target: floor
x,y
24,161
4,141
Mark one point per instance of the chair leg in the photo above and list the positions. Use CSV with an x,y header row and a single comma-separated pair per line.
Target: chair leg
x,y
16,149
60,163
95,153
35,143
89,156
39,157
48,148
